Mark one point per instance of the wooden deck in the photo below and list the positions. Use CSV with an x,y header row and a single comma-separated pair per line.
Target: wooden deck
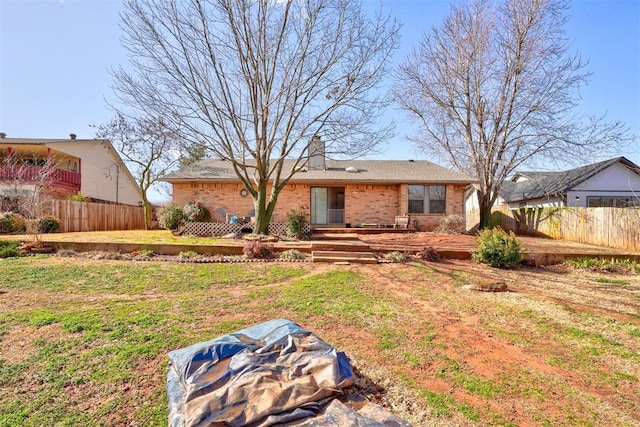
x,y
372,229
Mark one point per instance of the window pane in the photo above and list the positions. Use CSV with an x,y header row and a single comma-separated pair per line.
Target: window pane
x,y
437,192
437,206
416,206
593,202
416,192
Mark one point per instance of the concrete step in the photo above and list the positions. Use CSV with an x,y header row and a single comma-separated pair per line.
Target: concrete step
x,y
344,257
340,245
334,236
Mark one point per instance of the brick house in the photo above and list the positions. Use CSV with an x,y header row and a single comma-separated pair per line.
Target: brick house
x,y
335,193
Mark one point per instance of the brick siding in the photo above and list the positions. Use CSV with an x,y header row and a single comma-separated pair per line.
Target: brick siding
x,y
364,203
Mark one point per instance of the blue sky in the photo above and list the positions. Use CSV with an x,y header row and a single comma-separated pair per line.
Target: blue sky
x,y
55,58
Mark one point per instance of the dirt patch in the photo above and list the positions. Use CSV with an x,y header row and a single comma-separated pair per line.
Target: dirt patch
x,y
413,242
470,338
560,347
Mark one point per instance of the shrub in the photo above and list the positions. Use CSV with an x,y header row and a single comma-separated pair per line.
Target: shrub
x,y
48,224
395,256
295,223
428,253
11,222
170,217
292,255
188,254
8,248
257,249
451,224
196,212
498,249
79,197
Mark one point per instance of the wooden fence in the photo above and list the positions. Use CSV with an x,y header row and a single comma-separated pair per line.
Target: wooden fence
x,y
83,216
611,227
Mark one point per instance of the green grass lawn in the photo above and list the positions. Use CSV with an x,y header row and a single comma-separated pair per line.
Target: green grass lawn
x,y
85,342
96,334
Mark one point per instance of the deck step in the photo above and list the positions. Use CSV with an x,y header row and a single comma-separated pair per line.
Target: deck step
x,y
340,246
344,256
334,236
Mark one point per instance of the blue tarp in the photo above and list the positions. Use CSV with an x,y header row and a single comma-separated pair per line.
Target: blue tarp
x,y
274,373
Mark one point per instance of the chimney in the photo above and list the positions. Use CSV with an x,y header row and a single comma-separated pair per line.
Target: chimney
x,y
316,154
3,135
72,135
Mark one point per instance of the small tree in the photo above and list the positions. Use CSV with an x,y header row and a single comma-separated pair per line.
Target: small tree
x,y
27,181
148,146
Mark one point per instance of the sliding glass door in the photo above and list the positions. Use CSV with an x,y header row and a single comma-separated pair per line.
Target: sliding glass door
x,y
327,205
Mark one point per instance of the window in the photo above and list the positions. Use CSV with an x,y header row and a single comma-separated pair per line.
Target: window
x,y
430,199
609,202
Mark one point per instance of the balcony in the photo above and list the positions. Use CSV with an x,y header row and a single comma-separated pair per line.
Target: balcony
x,y
29,175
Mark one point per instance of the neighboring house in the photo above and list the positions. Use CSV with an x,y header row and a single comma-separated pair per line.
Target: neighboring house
x,y
611,183
90,166
334,193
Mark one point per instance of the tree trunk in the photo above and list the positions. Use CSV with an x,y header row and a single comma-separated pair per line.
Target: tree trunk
x,y
262,219
264,209
485,205
147,214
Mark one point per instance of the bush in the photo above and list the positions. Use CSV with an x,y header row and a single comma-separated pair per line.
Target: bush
x,y
48,224
8,248
428,253
498,249
451,224
295,223
395,256
188,255
11,222
196,212
292,255
79,197
170,217
257,249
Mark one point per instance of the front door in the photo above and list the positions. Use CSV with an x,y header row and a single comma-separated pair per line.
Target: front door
x,y
327,205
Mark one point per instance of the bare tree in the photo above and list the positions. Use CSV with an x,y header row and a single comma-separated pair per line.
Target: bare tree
x,y
257,79
495,87
148,146
26,182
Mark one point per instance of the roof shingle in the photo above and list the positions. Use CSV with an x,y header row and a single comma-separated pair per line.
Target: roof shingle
x,y
373,171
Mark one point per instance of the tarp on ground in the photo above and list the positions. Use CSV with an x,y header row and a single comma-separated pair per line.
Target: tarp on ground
x,y
274,373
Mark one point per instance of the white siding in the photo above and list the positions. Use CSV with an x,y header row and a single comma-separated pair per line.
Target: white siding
x,y
104,176
615,181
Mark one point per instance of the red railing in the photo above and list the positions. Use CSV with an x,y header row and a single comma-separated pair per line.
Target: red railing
x,y
40,174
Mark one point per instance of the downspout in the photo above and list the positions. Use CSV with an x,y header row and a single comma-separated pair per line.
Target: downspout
x,y
117,183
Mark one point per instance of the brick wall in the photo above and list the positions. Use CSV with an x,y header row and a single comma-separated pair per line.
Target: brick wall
x,y
454,206
371,204
225,198
364,203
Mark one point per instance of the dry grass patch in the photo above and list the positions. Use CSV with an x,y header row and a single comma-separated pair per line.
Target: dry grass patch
x,y
84,342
